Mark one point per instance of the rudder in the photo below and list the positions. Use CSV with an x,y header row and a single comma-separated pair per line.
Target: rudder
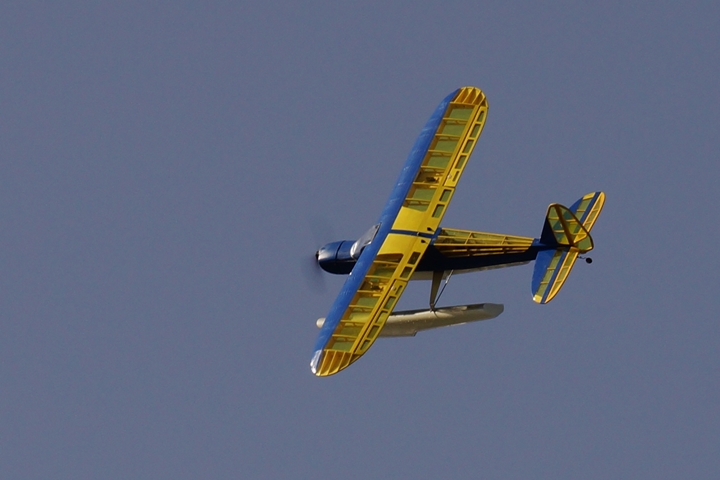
x,y
563,229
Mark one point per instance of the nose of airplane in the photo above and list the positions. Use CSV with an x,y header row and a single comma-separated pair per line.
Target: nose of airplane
x,y
327,253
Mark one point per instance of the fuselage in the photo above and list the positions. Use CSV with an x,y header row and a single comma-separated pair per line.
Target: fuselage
x,y
451,250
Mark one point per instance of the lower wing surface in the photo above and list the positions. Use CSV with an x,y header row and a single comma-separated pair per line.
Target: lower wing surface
x,y
407,224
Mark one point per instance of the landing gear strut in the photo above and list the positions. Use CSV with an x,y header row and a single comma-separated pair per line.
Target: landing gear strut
x,y
436,280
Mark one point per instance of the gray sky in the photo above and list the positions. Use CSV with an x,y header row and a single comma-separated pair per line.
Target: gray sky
x,y
166,168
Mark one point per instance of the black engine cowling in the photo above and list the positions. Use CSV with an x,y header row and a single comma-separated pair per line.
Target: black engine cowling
x,y
335,257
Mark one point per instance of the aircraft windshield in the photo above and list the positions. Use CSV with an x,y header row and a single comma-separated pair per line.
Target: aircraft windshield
x,y
363,241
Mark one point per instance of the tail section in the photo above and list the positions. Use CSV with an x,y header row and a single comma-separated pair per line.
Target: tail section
x,y
588,208
551,269
563,229
568,230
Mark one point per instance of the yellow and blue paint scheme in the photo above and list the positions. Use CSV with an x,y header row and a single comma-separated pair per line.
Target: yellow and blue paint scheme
x,y
568,232
462,251
407,224
408,243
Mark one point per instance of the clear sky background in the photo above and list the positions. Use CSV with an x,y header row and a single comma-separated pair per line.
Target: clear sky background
x,y
166,168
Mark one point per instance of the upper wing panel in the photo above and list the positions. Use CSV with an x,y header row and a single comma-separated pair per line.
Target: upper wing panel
x,y
407,224
444,161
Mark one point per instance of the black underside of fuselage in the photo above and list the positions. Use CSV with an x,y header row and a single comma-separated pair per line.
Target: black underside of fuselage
x,y
340,263
434,261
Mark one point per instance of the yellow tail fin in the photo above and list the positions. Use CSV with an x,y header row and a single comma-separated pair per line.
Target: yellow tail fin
x,y
566,229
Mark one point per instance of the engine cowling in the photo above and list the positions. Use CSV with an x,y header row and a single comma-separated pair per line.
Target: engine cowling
x,y
335,257
340,257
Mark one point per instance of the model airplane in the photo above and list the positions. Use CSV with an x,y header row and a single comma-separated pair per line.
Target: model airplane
x,y
408,243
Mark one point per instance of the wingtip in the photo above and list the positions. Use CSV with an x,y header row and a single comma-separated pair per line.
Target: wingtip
x,y
315,362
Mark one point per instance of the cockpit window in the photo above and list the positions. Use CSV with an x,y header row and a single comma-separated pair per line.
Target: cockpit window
x,y
363,241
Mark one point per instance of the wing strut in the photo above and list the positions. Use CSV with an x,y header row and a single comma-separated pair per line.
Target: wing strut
x,y
437,278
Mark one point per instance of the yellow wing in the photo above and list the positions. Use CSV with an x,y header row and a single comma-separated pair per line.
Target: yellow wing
x,y
376,294
444,162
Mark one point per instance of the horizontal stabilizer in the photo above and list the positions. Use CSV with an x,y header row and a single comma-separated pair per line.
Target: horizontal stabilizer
x,y
588,208
568,230
551,270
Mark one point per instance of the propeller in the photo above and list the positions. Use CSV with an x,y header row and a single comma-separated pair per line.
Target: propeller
x,y
313,273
